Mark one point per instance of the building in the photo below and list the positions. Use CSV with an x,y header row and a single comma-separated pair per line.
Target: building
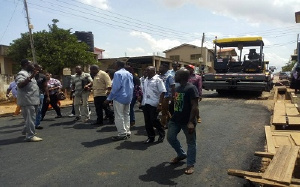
x,y
98,52
198,56
6,64
139,63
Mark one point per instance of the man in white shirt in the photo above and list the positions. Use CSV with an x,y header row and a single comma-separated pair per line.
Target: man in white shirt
x,y
153,94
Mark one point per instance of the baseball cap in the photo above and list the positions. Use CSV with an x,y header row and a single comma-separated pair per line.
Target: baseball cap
x,y
191,66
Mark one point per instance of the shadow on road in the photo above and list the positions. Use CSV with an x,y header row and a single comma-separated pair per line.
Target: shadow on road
x,y
11,126
97,142
134,145
12,141
62,123
9,131
163,174
107,129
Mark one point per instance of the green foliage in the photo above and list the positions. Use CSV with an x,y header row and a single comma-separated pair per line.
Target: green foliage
x,y
288,66
55,49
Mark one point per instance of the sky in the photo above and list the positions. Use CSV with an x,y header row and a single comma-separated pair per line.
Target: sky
x,y
147,27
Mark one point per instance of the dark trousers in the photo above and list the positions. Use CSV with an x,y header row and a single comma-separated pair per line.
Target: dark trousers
x,y
53,103
151,120
100,106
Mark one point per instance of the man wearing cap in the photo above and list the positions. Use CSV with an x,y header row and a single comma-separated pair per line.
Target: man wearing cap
x,y
28,99
196,80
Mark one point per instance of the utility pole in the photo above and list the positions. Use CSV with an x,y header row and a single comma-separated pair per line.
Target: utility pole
x,y
30,26
203,36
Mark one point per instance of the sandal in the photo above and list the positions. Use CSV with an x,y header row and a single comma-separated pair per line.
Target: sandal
x,y
177,159
199,120
189,170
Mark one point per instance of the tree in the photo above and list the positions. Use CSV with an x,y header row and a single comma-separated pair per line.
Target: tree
x,y
55,49
289,66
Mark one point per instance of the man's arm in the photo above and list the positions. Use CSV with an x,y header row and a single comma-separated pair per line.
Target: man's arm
x,y
24,83
193,115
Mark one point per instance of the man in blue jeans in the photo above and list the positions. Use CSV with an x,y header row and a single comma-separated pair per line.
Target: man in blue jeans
x,y
43,88
184,117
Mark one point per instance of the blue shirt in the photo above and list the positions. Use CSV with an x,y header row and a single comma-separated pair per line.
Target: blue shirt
x,y
168,81
13,88
122,87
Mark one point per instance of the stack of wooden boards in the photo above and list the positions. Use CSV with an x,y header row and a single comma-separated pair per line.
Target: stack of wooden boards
x,y
282,148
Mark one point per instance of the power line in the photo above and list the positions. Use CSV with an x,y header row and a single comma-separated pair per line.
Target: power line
x,y
9,21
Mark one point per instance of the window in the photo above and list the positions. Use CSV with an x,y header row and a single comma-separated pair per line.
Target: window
x,y
175,57
195,56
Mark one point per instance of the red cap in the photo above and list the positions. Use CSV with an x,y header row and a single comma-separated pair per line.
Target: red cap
x,y
191,66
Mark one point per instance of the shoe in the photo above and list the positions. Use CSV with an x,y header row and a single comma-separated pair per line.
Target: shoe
x,y
118,138
132,123
160,139
199,120
178,159
71,115
77,118
33,139
39,127
189,170
128,135
85,120
149,140
60,116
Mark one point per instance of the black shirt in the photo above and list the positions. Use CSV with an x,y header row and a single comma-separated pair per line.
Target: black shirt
x,y
183,104
41,79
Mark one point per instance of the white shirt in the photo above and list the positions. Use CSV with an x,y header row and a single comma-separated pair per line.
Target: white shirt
x,y
152,89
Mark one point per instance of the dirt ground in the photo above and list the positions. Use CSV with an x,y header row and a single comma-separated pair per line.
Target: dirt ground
x,y
7,108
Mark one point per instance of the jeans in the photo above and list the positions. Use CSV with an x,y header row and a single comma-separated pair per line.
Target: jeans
x,y
132,116
173,130
39,111
151,121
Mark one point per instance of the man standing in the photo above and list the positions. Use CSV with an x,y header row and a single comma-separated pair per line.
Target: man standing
x,y
101,85
43,87
196,80
121,94
153,94
13,88
175,67
184,118
28,99
81,83
170,87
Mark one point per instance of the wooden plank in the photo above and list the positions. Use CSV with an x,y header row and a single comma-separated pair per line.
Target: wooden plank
x,y
282,139
282,165
296,138
270,143
293,120
264,154
241,173
265,181
292,111
279,115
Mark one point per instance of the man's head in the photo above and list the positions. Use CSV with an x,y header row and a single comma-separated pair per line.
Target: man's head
x,y
182,76
163,68
175,66
150,71
94,69
48,75
119,65
27,65
78,70
38,67
190,68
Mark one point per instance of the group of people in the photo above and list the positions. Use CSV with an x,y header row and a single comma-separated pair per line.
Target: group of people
x,y
175,93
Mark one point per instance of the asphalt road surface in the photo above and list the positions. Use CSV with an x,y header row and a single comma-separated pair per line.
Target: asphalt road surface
x,y
77,154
